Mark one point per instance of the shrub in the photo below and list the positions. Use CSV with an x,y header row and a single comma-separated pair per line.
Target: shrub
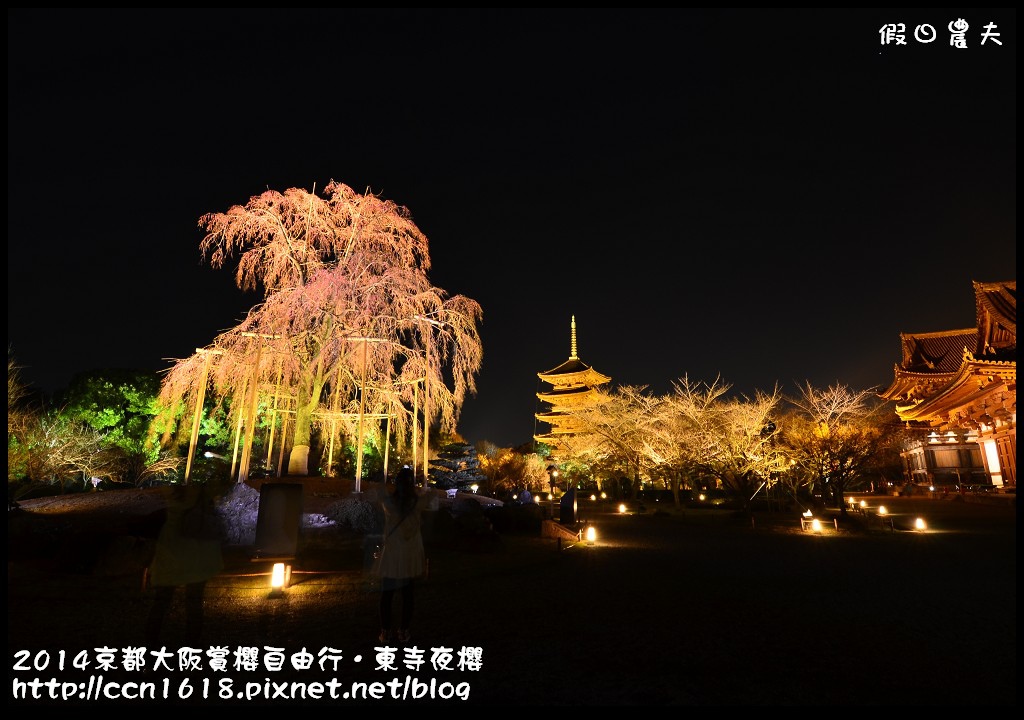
x,y
358,515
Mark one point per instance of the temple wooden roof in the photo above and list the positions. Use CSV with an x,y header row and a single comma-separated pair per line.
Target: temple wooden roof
x,y
971,385
943,372
938,352
997,317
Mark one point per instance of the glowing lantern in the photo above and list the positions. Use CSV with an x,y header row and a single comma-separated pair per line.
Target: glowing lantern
x,y
279,577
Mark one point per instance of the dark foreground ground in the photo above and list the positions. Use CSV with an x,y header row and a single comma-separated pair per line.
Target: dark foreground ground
x,y
693,608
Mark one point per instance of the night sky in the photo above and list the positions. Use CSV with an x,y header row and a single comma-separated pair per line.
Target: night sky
x,y
769,197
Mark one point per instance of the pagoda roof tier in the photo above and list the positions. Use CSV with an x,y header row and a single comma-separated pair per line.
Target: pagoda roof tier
x,y
573,373
574,397
559,419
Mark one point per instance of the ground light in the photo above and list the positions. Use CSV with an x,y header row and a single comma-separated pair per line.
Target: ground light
x,y
919,524
591,535
622,507
808,521
279,577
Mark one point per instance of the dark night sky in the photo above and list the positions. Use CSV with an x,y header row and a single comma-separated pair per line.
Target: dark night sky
x,y
769,196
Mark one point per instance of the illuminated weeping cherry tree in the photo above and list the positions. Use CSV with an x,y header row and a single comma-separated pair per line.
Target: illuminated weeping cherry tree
x,y
349,326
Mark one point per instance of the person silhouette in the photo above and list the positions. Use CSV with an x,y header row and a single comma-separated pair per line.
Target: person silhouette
x,y
403,557
188,553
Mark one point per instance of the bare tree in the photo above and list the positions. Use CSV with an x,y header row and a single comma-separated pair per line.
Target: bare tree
x,y
612,434
16,394
350,326
52,449
836,436
667,447
728,438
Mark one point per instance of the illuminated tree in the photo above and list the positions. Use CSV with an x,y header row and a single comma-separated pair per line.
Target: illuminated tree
x,y
612,434
727,438
16,394
101,431
48,448
350,326
837,436
45,447
121,405
669,445
509,471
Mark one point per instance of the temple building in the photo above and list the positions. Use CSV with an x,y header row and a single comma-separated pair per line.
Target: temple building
x,y
958,389
574,384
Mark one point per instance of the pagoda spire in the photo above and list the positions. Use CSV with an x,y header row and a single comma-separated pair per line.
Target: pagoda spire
x,y
574,385
572,350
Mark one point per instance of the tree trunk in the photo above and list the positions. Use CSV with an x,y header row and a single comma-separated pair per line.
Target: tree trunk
x,y
298,459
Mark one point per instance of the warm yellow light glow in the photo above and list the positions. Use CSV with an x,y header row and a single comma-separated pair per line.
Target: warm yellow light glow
x,y
701,497
474,487
816,525
919,524
593,497
808,513
863,503
591,535
622,507
277,576
882,510
604,496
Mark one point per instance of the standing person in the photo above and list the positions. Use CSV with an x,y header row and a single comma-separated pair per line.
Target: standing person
x,y
403,558
188,553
